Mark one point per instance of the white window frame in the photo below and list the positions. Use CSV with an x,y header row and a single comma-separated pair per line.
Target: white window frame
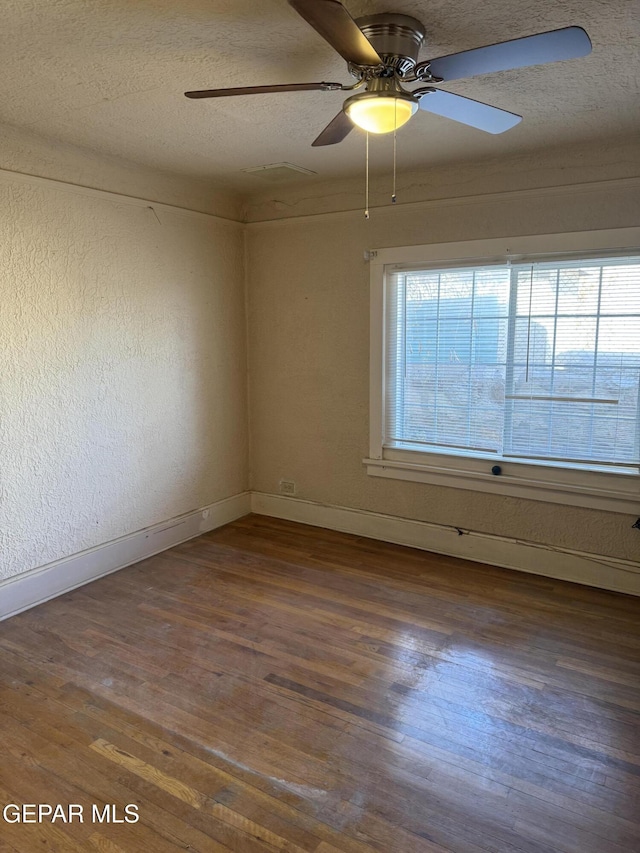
x,y
541,481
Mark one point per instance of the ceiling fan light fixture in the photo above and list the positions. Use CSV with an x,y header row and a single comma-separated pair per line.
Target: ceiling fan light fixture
x,y
380,112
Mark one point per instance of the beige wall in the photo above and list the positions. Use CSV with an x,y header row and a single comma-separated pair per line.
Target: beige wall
x,y
309,342
535,170
122,359
24,152
123,350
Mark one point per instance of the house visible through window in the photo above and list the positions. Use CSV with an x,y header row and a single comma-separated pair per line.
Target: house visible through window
x,y
516,373
534,361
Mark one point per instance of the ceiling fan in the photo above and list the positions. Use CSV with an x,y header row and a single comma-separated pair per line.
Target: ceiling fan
x,y
382,54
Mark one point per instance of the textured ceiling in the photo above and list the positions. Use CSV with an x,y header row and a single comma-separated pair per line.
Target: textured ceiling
x,y
109,75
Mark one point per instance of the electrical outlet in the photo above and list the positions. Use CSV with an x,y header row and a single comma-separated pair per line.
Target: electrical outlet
x,y
287,487
205,513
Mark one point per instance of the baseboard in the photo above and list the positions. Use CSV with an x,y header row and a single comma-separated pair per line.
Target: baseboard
x,y
35,587
563,564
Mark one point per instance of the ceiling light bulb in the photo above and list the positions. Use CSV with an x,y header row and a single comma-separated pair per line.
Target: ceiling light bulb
x,y
380,113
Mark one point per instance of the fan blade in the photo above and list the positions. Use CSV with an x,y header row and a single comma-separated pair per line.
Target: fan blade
x,y
567,43
337,129
263,90
466,111
335,24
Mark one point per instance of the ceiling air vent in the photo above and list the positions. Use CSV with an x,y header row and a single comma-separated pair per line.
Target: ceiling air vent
x,y
277,173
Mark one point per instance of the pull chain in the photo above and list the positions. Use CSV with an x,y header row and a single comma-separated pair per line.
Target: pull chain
x,y
366,186
395,139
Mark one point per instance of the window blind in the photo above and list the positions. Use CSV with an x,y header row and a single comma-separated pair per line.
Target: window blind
x,y
535,361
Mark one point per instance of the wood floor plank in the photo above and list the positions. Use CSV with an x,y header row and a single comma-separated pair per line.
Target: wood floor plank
x,y
277,687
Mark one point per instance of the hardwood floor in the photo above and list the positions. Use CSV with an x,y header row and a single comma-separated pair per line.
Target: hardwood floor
x,y
277,687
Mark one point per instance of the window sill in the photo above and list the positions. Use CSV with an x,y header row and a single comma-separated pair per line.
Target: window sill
x,y
592,489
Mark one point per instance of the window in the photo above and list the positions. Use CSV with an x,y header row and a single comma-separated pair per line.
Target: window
x,y
517,373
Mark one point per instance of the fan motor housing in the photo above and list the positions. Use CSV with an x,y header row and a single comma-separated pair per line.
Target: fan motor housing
x,y
396,38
